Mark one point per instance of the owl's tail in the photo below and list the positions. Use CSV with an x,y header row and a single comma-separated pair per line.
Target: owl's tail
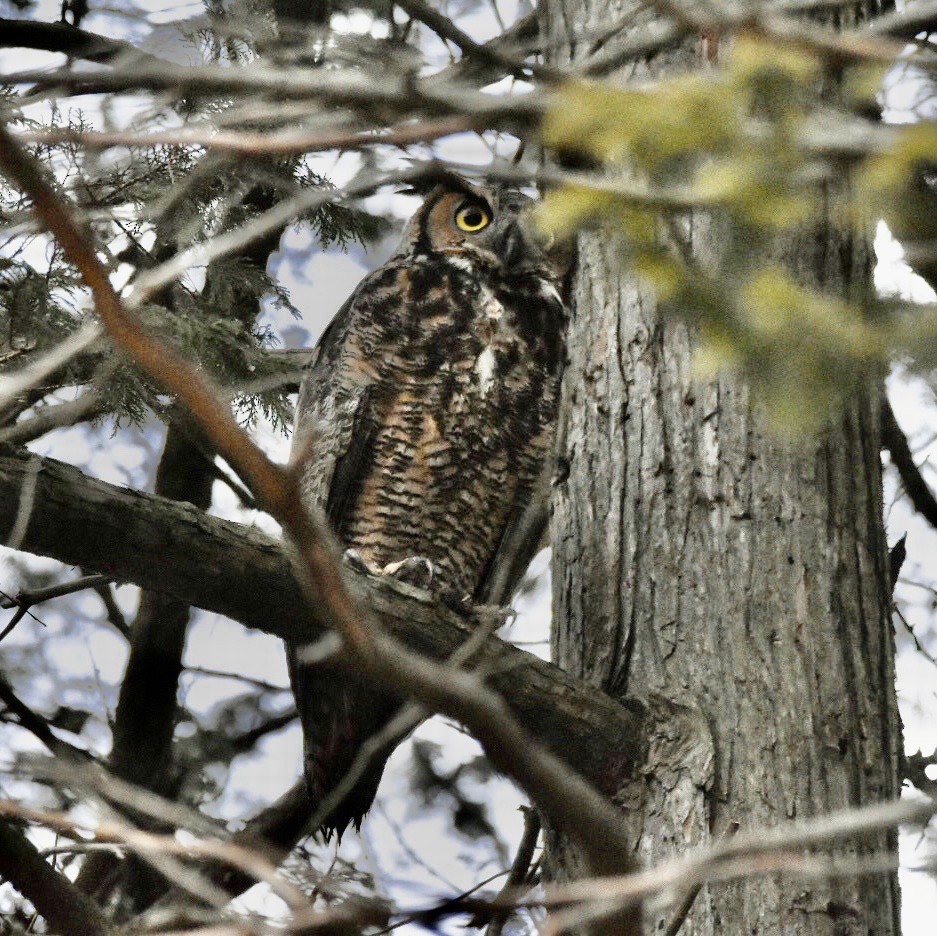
x,y
339,713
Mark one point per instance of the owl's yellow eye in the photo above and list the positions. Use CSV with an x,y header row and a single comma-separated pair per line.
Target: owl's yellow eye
x,y
472,218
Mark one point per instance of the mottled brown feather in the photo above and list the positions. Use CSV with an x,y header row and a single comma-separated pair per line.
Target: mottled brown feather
x,y
427,421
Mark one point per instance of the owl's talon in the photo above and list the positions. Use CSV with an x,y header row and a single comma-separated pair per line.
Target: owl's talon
x,y
354,560
414,570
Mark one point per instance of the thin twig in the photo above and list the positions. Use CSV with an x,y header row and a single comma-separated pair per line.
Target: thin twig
x,y
520,868
142,842
37,595
921,649
262,684
26,600
115,616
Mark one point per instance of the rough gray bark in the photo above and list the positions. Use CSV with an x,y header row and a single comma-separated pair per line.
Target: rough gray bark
x,y
697,558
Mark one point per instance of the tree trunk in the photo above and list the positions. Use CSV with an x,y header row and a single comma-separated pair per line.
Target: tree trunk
x,y
699,559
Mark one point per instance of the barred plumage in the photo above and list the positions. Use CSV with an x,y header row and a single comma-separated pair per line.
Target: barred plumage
x,y
428,418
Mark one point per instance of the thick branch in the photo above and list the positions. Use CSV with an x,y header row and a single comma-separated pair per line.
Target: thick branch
x,y
61,37
910,21
246,575
55,898
915,486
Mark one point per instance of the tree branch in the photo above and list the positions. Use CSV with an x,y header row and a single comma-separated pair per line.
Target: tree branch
x,y
247,143
84,408
145,719
245,575
490,53
516,42
910,21
64,907
77,43
148,843
896,443
37,725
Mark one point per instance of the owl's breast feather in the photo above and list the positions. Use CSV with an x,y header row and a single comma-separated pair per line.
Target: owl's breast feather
x,y
485,369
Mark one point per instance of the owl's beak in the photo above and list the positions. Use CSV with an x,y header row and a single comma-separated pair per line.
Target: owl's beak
x,y
518,247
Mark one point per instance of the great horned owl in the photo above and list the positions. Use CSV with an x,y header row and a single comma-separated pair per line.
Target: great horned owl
x,y
426,420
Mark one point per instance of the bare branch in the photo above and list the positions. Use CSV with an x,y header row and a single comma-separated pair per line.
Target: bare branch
x,y
85,407
737,854
145,719
896,443
76,768
27,378
396,94
26,600
514,43
910,21
73,42
246,143
38,595
686,905
147,843
520,869
489,53
114,614
67,910
37,725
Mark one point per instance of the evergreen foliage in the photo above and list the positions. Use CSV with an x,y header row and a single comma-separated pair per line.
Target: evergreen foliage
x,y
145,204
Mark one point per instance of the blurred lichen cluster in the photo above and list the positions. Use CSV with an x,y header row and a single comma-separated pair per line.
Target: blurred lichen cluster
x,y
770,148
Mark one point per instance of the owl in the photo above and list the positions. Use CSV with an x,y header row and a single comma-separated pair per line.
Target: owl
x,y
425,423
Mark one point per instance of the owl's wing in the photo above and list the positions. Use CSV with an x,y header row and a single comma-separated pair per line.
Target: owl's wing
x,y
335,421
524,535
336,427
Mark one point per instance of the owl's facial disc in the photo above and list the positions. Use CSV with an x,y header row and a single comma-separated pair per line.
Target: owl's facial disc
x,y
499,228
489,227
